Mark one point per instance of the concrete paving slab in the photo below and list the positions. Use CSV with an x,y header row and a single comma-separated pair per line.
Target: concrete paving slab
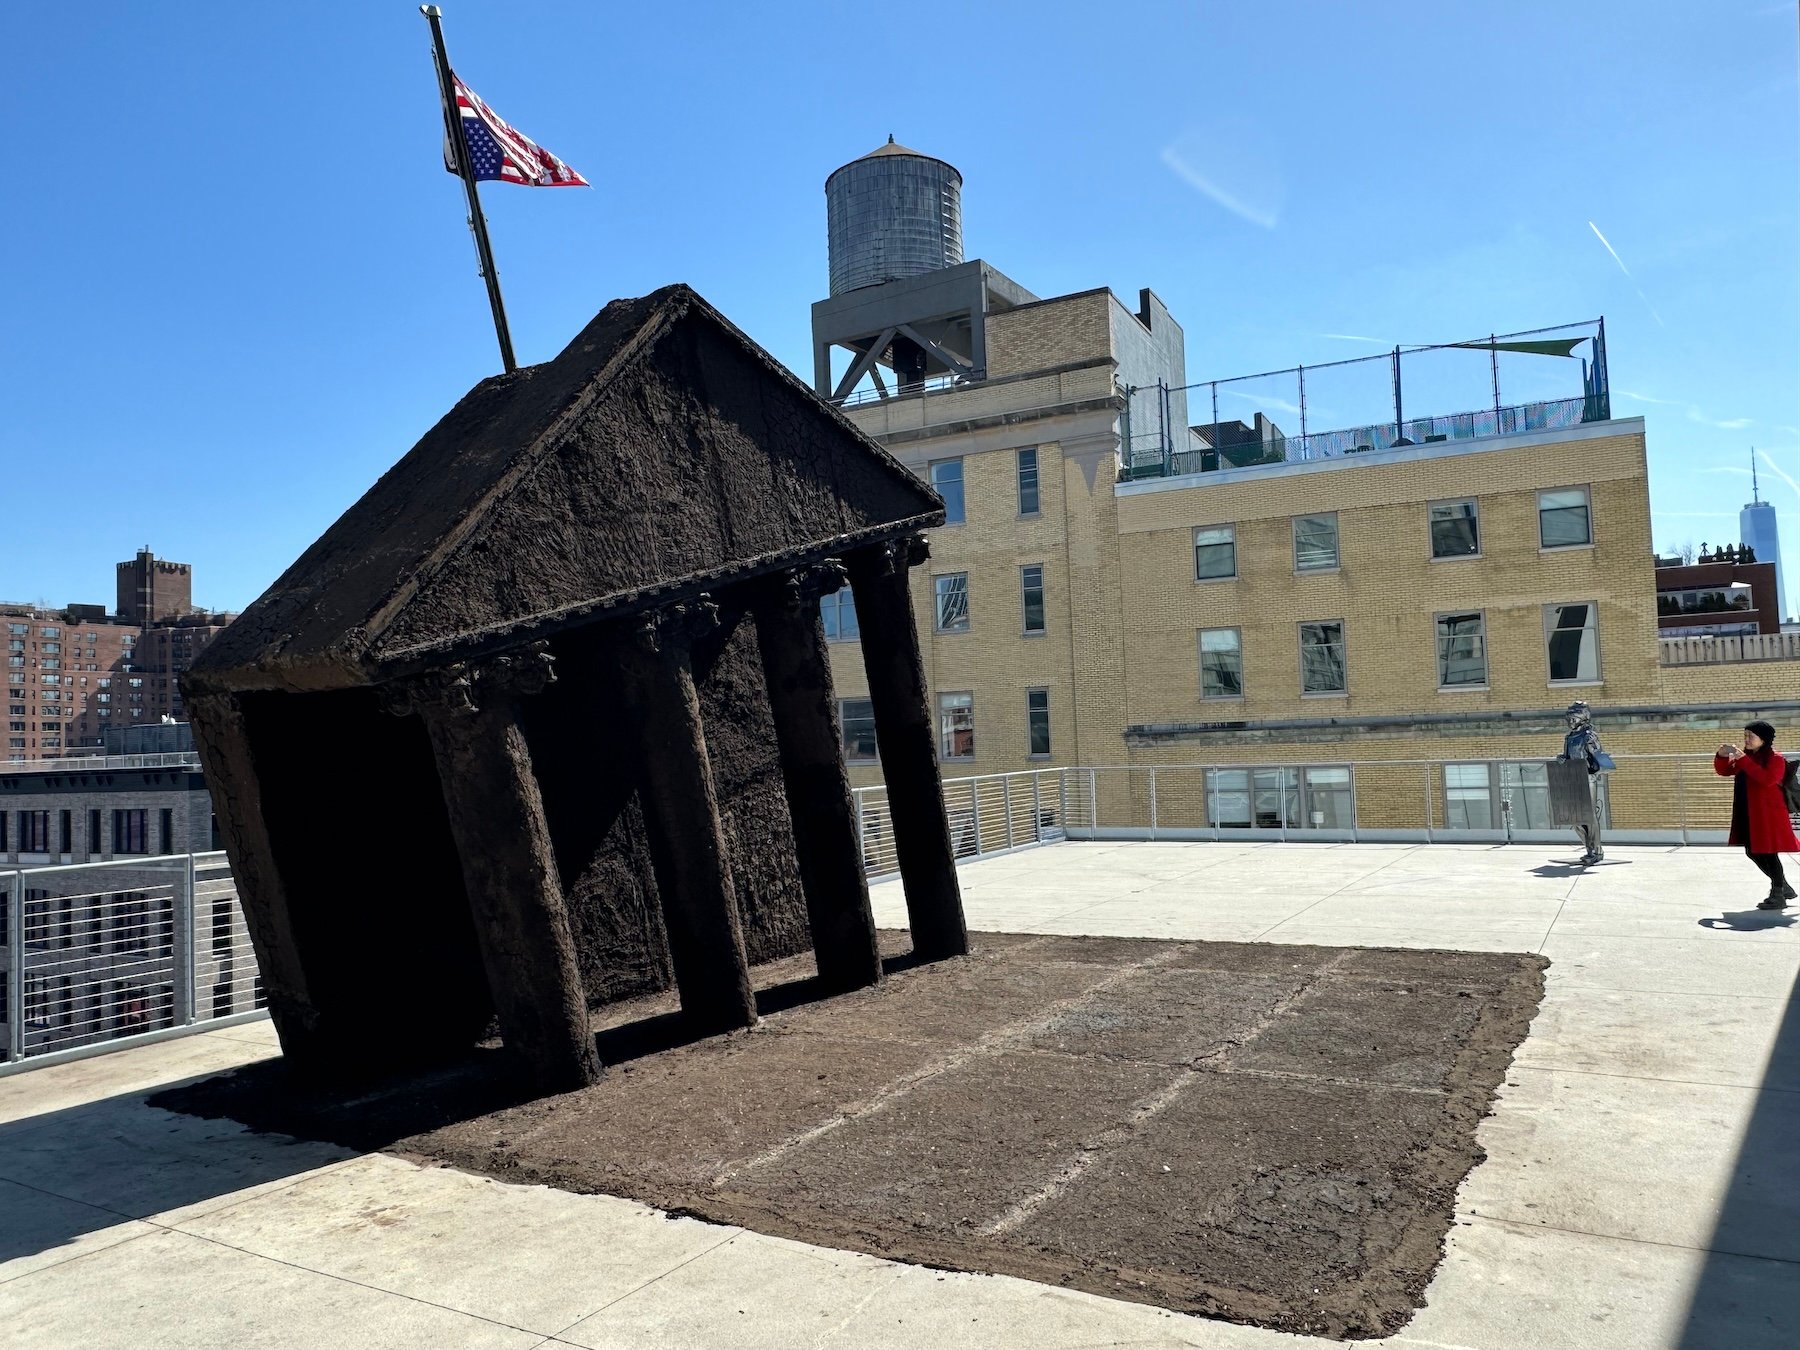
x,y
38,1230
1637,1158
172,1291
1449,937
526,1256
139,1162
1505,1286
1701,966
1724,1039
763,1293
1645,918
80,1081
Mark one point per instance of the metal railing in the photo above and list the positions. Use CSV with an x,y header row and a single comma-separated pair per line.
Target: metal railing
x,y
168,759
1548,415
100,954
1716,649
988,813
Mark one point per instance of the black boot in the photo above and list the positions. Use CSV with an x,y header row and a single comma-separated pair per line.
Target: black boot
x,y
1779,895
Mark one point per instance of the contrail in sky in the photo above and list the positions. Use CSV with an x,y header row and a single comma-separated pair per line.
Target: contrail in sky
x,y
1627,271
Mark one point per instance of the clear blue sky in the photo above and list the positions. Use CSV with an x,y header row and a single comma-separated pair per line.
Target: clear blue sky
x,y
238,285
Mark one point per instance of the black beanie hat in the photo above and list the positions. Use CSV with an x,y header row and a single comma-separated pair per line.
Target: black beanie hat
x,y
1763,730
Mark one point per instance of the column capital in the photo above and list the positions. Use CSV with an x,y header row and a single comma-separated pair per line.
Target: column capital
x,y
894,557
677,625
464,688
803,587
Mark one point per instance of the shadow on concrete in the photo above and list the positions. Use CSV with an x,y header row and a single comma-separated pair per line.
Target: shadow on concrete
x,y
1746,1298
374,1115
85,1168
1576,868
1749,920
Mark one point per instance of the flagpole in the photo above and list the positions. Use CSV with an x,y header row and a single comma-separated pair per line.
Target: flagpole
x,y
466,171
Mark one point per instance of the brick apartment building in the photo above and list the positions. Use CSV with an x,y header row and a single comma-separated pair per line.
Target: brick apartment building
x,y
1121,585
75,672
1723,594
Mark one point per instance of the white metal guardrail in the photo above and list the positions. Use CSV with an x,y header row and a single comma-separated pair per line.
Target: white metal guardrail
x,y
100,956
166,759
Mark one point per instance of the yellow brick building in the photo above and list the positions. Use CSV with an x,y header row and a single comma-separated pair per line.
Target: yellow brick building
x,y
1380,640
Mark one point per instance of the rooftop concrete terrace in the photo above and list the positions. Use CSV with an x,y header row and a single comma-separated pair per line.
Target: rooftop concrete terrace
x,y
1642,1187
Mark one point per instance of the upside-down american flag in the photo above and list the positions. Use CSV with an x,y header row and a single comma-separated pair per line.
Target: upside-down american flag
x,y
497,151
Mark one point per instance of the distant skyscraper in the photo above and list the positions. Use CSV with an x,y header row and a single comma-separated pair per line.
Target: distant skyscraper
x,y
1756,527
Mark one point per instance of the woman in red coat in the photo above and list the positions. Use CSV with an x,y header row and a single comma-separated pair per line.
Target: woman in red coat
x,y
1759,813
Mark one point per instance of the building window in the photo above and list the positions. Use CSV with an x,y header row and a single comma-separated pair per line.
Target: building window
x,y
857,718
956,726
34,831
1037,723
1322,658
1215,552
93,840
1028,482
49,632
1461,650
1470,802
838,610
51,648
66,829
1572,635
947,481
952,602
1563,518
1455,529
1221,663
165,832
1031,586
131,831
1316,542
1315,797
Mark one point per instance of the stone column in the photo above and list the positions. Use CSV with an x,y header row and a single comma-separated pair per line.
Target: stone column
x,y
228,760
907,744
797,670
509,869
681,815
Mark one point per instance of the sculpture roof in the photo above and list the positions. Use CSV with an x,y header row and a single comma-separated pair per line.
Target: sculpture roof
x,y
661,453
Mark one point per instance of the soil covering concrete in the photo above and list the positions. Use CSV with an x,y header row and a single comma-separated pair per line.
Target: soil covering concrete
x,y
1265,1133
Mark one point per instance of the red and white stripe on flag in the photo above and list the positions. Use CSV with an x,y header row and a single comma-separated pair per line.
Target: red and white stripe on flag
x,y
496,151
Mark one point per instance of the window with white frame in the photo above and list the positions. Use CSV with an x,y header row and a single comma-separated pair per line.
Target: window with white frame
x,y
1572,640
1316,542
1037,723
1221,663
856,716
1215,552
1564,518
1461,650
838,611
1322,669
952,591
956,725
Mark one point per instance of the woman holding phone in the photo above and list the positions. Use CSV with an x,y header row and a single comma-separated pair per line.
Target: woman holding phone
x,y
1759,813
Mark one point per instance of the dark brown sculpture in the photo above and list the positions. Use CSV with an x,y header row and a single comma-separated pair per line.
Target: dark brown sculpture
x,y
546,718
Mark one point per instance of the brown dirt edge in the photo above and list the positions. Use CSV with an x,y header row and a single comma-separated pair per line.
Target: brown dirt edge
x,y
430,1121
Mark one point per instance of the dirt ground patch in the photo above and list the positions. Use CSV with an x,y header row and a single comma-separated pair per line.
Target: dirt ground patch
x,y
1270,1134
